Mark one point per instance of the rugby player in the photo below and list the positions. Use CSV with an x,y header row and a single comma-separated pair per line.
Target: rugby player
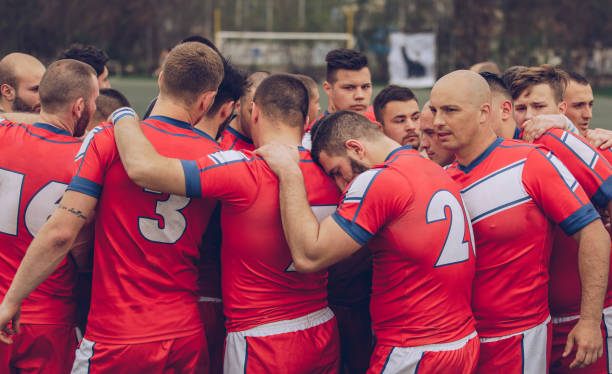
x,y
429,141
397,109
93,56
20,76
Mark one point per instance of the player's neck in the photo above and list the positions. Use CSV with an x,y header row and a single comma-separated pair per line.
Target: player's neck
x,y
5,107
168,108
208,125
281,135
57,120
507,129
382,149
236,125
477,146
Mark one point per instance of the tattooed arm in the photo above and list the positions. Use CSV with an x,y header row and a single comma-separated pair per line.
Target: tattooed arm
x,y
44,255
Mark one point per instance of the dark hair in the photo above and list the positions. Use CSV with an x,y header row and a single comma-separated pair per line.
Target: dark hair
x,y
346,59
388,94
191,69
283,97
575,77
65,81
335,129
496,84
231,88
556,78
108,101
201,39
510,73
88,54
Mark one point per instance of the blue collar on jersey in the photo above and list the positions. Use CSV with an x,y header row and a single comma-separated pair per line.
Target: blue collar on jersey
x,y
517,133
181,124
239,135
398,149
51,128
479,159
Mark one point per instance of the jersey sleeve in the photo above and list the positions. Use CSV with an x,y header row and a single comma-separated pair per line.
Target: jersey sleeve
x,y
229,176
92,160
368,203
588,165
555,190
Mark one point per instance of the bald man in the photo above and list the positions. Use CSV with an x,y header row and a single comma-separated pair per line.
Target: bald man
x,y
505,184
20,75
429,141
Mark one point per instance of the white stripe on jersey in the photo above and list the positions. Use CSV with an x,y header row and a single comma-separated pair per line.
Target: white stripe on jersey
x,y
226,157
586,154
360,185
498,191
83,354
86,142
566,175
323,211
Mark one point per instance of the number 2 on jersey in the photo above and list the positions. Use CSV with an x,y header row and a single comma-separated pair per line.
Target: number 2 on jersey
x,y
174,222
455,249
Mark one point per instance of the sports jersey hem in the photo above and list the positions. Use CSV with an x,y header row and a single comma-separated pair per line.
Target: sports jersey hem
x,y
603,195
579,219
193,184
440,347
82,185
358,233
498,338
117,340
305,322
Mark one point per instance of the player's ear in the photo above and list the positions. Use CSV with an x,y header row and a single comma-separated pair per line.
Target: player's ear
x,y
327,88
8,92
485,111
380,125
160,79
255,113
78,106
355,147
226,110
206,100
506,110
562,107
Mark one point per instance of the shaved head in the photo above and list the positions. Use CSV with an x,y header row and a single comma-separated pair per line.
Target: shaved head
x,y
461,104
20,76
467,84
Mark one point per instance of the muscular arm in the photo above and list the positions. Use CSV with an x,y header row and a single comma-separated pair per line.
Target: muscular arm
x,y
143,164
45,253
593,264
313,246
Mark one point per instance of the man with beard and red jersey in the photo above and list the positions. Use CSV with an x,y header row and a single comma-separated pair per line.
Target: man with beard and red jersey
x,y
237,135
537,92
411,215
36,163
277,319
144,315
397,110
20,76
506,183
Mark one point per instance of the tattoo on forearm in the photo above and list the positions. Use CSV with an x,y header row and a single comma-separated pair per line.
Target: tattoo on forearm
x,y
76,212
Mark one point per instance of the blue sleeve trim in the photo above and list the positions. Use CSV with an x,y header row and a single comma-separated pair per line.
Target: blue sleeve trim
x,y
579,219
193,185
603,195
85,186
359,234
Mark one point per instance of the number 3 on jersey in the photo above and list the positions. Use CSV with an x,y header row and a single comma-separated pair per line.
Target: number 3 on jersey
x,y
174,222
455,249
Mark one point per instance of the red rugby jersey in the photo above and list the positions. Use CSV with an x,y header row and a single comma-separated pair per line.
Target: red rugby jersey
x,y
410,214
35,168
514,193
146,243
594,173
260,284
231,139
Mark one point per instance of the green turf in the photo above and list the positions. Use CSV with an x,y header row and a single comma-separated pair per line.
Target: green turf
x,y
140,92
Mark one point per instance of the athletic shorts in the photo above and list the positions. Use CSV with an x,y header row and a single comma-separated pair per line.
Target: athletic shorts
x,y
355,328
211,312
526,352
305,345
39,349
561,329
180,355
460,356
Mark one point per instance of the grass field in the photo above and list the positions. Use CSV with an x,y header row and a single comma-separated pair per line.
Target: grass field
x,y
140,92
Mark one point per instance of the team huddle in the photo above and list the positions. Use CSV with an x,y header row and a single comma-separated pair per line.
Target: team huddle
x,y
236,230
